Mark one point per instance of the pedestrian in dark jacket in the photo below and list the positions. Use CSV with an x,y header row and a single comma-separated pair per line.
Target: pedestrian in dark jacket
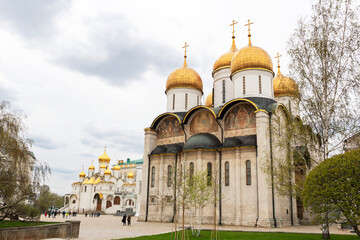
x,y
129,219
124,220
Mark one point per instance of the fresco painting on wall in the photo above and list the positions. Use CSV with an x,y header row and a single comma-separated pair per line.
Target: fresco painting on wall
x,y
204,121
241,116
169,127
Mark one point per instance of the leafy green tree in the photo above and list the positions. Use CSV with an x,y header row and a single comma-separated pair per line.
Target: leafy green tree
x,y
21,174
332,190
48,199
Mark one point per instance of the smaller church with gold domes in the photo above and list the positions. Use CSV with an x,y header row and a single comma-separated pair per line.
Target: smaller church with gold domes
x,y
236,131
107,191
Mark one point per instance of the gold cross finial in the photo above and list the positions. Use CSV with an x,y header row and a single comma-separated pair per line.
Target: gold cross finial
x,y
249,35
278,59
248,25
233,25
185,46
105,148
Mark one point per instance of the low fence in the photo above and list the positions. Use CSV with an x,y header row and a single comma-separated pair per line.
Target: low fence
x,y
68,229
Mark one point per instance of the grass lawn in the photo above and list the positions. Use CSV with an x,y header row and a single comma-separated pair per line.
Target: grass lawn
x,y
251,236
9,224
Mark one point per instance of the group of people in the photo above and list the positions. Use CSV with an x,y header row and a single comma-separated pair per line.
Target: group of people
x,y
91,214
54,213
128,220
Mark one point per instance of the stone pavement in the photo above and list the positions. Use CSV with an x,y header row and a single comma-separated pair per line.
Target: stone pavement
x,y
110,227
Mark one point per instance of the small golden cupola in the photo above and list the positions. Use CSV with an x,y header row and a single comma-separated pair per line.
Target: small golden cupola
x,y
116,167
224,60
107,171
92,167
284,86
184,77
251,57
82,174
209,100
130,175
103,166
104,158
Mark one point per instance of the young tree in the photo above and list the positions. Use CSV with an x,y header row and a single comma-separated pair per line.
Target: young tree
x,y
21,174
332,188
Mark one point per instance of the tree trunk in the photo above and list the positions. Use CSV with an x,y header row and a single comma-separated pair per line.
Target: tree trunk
x,y
356,230
183,221
325,231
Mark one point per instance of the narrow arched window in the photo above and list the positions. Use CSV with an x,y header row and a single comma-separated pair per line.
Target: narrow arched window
x,y
209,174
186,100
152,176
248,172
169,176
197,100
244,85
191,173
173,101
227,175
223,91
260,90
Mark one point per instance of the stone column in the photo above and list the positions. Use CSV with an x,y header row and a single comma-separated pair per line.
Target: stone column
x,y
238,203
161,186
263,158
149,146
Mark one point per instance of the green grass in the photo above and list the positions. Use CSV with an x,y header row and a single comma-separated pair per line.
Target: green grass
x,y
225,235
10,224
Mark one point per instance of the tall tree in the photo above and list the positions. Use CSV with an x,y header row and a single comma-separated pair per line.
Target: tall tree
x,y
325,61
21,174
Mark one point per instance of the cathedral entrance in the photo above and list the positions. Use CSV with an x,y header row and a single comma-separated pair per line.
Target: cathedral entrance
x,y
98,199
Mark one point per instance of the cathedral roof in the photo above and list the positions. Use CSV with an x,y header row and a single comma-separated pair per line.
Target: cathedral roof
x,y
209,100
249,140
104,157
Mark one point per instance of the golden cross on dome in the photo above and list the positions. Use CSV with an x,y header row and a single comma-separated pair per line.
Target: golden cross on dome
x,y
278,59
185,46
248,25
105,148
233,25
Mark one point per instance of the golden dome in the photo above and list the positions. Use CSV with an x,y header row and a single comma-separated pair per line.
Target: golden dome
x,y
130,175
184,77
107,172
116,167
284,86
225,60
82,174
251,57
104,157
102,166
209,100
92,166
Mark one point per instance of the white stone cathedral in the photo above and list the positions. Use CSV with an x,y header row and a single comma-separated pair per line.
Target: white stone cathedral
x,y
107,191
234,130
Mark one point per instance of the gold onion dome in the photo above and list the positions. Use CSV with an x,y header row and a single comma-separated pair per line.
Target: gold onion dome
x,y
82,174
130,175
209,100
251,57
116,167
104,157
284,86
225,60
184,77
107,172
102,166
92,166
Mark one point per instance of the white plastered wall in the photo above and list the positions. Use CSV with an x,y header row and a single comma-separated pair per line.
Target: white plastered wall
x,y
219,77
193,96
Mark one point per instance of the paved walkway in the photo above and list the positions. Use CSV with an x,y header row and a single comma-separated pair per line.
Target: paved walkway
x,y
110,227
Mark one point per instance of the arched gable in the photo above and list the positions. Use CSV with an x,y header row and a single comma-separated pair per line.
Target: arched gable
x,y
283,107
168,125
158,119
201,119
231,103
240,116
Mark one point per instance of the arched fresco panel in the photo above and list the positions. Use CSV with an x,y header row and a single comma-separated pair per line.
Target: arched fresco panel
x,y
169,127
203,122
241,116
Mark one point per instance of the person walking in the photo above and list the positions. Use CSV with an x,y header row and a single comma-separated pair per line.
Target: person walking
x,y
124,220
129,220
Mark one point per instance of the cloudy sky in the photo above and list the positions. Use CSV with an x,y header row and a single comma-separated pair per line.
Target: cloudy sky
x,y
88,73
